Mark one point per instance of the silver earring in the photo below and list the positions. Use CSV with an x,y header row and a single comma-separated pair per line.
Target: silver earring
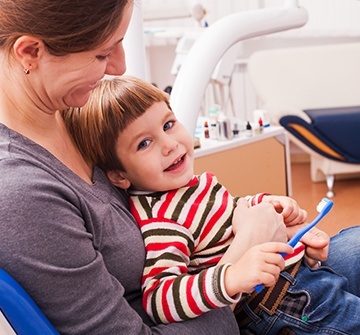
x,y
26,71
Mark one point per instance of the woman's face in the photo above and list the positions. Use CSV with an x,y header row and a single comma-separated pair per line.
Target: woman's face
x,y
67,81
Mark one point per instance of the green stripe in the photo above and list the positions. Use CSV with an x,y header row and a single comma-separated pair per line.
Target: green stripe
x,y
220,232
216,283
177,298
154,307
166,256
206,253
182,201
208,208
145,206
169,232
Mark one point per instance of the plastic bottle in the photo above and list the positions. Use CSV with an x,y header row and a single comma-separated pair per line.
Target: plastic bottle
x,y
248,131
223,128
213,113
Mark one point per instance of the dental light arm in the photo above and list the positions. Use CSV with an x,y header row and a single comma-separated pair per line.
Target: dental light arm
x,y
194,75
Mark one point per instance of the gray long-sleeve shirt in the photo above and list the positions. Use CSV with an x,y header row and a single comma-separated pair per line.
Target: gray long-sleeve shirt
x,y
75,247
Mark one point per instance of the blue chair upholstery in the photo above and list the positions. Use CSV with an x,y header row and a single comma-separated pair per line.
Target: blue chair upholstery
x,y
333,132
20,311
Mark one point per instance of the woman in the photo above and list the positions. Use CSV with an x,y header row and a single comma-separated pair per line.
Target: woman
x,y
66,234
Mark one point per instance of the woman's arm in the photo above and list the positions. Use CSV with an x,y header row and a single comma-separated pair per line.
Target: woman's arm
x,y
53,245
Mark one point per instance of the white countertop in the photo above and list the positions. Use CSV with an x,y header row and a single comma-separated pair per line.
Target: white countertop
x,y
209,146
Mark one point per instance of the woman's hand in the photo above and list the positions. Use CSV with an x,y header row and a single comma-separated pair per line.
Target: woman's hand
x,y
259,224
252,226
316,242
292,213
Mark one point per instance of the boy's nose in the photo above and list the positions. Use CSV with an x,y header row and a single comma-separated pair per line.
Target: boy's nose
x,y
169,145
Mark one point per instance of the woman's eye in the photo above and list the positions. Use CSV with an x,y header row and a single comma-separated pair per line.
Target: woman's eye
x,y
168,125
143,144
100,57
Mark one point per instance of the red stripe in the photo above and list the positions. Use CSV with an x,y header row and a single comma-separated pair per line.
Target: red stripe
x,y
297,251
205,292
212,261
193,181
193,209
165,205
158,246
133,210
148,292
190,298
215,218
166,308
156,270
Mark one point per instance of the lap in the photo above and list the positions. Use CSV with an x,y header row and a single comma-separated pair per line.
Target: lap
x,y
344,255
330,292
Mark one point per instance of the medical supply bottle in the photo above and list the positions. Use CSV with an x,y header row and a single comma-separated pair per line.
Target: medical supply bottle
x,y
213,118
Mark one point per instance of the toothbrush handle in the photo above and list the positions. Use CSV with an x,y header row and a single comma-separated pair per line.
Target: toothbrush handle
x,y
296,238
293,241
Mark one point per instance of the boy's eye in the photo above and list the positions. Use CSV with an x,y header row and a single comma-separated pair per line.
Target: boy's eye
x,y
143,144
168,125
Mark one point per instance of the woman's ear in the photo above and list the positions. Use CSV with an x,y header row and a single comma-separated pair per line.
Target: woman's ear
x,y
28,50
118,179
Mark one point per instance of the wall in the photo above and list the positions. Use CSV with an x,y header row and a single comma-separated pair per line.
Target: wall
x,y
330,21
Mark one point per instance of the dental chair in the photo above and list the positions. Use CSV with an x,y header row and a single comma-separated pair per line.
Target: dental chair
x,y
19,315
314,93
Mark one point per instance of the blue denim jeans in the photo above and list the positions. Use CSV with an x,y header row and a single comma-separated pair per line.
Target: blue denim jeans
x,y
333,294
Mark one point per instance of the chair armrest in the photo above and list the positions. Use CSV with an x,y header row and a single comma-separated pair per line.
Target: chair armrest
x,y
20,310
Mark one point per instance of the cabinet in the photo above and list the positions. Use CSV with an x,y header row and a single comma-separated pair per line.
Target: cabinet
x,y
249,165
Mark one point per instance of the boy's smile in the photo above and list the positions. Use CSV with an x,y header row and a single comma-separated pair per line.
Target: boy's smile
x,y
178,164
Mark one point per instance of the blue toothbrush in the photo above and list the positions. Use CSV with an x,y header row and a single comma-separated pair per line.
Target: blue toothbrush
x,y
323,208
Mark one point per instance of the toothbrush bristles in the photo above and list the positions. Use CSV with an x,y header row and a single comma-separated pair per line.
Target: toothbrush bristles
x,y
321,204
324,205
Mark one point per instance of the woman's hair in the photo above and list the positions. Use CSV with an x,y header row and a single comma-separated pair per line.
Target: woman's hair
x,y
112,106
64,26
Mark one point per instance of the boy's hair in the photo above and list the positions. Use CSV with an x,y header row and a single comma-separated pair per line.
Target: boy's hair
x,y
112,106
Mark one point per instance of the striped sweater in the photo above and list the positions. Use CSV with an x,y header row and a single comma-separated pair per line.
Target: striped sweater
x,y
186,232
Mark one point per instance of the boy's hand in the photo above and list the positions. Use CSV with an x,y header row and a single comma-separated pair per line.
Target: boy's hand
x,y
261,264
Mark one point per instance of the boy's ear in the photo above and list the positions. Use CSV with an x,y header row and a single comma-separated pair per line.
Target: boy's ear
x,y
118,179
28,50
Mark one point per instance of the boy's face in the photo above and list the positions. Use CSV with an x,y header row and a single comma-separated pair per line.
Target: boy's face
x,y
156,151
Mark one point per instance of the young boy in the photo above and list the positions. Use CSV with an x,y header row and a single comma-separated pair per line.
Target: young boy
x,y
129,130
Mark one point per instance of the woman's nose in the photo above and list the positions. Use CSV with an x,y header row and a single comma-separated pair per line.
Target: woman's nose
x,y
116,65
